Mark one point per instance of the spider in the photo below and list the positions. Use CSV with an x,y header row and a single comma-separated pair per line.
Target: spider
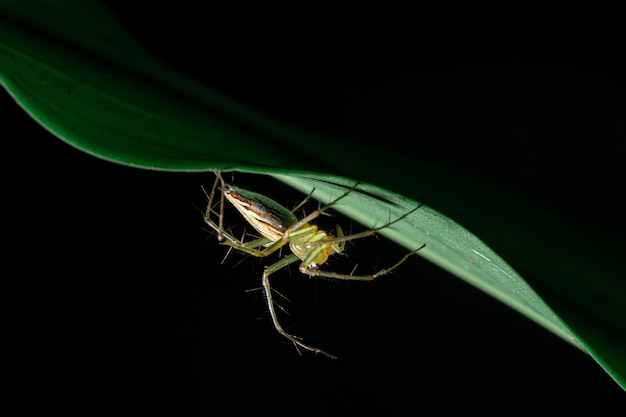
x,y
279,226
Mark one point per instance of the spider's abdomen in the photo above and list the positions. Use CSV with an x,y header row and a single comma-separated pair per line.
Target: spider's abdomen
x,y
264,214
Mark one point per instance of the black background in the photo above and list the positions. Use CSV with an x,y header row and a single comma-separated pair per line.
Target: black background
x,y
132,308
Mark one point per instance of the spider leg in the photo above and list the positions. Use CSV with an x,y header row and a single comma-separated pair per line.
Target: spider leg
x,y
335,275
303,202
315,214
271,305
366,233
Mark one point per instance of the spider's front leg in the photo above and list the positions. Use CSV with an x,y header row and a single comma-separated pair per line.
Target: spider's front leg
x,y
271,305
305,267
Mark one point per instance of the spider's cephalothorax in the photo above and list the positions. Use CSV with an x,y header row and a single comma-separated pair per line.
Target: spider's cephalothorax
x,y
280,226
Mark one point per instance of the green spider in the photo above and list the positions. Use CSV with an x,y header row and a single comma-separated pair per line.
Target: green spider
x,y
279,226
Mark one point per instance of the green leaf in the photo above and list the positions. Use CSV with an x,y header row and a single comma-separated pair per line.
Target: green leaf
x,y
83,77
447,243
